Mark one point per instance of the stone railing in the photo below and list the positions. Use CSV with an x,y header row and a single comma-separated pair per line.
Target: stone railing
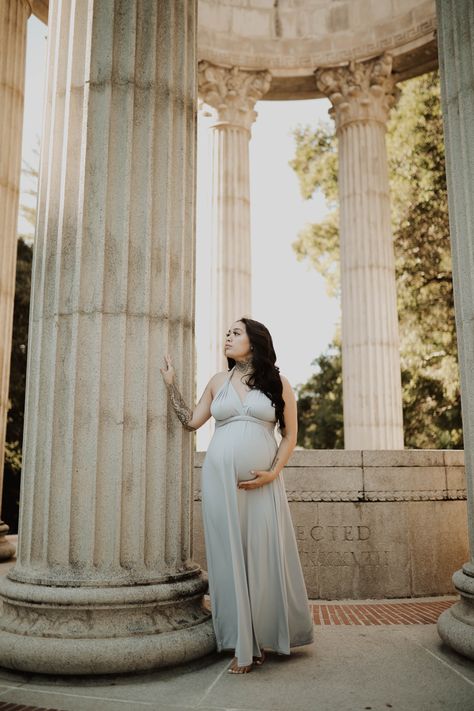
x,y
372,524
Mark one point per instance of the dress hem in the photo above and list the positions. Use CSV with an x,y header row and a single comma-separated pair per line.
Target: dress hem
x,y
269,648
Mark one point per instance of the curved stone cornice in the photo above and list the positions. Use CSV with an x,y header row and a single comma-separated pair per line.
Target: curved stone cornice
x,y
39,8
232,92
360,91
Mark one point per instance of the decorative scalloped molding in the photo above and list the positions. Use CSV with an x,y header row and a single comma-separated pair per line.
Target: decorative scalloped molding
x,y
364,497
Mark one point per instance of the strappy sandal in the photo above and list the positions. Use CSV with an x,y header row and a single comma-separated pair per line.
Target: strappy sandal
x,y
258,661
240,670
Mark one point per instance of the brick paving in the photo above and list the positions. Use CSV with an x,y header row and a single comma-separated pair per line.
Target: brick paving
x,y
375,612
379,613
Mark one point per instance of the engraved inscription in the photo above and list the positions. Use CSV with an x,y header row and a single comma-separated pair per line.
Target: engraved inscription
x,y
311,542
360,559
333,533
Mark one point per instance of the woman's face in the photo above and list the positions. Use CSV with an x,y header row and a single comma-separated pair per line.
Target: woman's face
x,y
237,344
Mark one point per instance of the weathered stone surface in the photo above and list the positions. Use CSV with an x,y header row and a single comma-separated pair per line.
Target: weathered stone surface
x,y
456,41
431,480
361,96
104,580
438,540
409,457
455,480
454,457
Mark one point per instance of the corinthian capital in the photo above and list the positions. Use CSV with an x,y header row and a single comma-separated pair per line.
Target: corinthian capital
x,y
362,90
232,92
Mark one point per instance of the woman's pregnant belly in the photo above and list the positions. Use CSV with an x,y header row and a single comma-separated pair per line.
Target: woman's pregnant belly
x,y
248,446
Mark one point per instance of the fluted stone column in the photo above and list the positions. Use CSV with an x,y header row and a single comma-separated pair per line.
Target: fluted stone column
x,y
13,19
456,48
104,580
361,96
232,93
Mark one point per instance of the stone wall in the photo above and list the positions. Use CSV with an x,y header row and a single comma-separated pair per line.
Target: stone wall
x,y
372,524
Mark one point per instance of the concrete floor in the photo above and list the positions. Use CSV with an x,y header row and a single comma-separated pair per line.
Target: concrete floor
x,y
347,668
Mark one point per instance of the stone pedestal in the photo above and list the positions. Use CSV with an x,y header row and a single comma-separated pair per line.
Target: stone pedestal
x,y
104,580
13,19
232,93
361,96
456,43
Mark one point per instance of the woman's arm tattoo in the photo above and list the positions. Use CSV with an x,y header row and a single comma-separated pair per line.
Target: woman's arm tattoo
x,y
180,407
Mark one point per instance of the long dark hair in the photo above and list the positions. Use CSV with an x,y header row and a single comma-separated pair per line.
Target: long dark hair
x,y
266,375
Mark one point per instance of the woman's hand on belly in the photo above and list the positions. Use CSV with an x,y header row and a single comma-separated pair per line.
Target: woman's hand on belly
x,y
261,478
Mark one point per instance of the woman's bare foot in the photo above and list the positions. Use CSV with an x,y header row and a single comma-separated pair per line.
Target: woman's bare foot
x,y
259,660
235,669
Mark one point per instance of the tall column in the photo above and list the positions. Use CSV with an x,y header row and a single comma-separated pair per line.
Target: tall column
x,y
456,52
361,96
232,93
13,20
104,580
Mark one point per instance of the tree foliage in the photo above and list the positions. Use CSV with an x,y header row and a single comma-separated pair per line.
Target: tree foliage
x,y
430,380
321,427
15,416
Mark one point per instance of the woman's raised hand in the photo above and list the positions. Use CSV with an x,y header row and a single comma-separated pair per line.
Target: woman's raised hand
x,y
168,373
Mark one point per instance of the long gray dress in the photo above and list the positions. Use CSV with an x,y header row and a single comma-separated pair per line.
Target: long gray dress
x,y
256,586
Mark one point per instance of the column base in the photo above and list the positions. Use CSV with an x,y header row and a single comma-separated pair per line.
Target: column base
x,y
456,624
7,549
93,630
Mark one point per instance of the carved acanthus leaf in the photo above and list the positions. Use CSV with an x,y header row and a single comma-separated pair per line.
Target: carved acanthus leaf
x,y
232,92
361,90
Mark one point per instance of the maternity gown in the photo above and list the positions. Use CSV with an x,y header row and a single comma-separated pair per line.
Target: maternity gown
x,y
256,586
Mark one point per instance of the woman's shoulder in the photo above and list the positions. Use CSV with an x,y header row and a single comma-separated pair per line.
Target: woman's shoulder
x,y
284,380
218,379
220,375
287,388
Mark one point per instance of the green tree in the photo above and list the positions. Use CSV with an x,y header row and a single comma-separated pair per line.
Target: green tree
x,y
14,434
15,416
431,401
320,422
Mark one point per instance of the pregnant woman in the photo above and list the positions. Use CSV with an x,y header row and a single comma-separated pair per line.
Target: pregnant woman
x,y
256,586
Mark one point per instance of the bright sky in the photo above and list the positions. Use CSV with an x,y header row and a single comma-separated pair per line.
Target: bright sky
x,y
288,296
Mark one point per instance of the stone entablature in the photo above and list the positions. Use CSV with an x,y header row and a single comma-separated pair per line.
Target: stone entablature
x,y
372,524
294,38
